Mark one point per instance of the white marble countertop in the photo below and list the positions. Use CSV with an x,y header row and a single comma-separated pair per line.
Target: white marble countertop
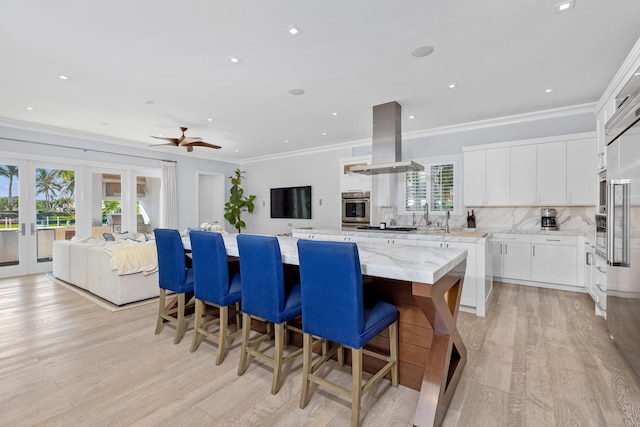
x,y
392,234
424,265
441,236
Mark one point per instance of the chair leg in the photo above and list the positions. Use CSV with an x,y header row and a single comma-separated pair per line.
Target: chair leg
x,y
182,324
197,324
341,355
238,317
246,330
222,337
393,350
161,310
277,356
356,387
306,368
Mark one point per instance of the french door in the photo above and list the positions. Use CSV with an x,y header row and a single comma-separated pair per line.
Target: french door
x,y
37,207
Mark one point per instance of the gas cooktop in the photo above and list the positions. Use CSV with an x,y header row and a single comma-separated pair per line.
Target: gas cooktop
x,y
373,228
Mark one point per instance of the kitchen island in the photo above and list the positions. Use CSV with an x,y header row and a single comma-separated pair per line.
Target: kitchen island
x,y
425,286
479,273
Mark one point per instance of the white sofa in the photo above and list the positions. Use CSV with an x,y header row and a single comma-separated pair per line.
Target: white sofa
x,y
88,266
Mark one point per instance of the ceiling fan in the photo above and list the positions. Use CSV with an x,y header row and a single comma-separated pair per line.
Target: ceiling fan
x,y
186,141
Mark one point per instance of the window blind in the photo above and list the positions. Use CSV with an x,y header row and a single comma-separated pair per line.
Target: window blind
x,y
416,191
441,187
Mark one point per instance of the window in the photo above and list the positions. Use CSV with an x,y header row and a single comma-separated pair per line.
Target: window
x,y
436,185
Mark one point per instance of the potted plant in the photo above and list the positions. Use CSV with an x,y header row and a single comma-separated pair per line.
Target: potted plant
x,y
237,202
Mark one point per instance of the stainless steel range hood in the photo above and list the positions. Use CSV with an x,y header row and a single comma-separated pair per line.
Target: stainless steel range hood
x,y
386,152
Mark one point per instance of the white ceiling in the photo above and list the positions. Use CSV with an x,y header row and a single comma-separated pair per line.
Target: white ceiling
x,y
351,55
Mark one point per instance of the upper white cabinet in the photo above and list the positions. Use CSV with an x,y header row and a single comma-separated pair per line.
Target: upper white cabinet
x,y
552,173
486,177
581,181
543,172
523,175
356,181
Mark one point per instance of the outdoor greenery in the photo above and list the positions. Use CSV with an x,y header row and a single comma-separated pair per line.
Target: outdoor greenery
x,y
55,198
237,203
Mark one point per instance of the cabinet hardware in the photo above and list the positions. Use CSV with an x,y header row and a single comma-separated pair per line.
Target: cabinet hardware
x,y
33,229
22,229
601,270
506,248
533,247
553,240
600,306
599,288
588,256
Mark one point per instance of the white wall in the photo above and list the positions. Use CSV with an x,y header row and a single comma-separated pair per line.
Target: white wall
x,y
319,169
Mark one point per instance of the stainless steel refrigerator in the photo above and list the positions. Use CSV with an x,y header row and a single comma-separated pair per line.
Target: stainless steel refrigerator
x,y
623,224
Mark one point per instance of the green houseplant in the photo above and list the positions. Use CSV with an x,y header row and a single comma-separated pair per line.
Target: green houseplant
x,y
237,202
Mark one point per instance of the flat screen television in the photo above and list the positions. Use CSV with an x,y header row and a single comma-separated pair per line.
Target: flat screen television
x,y
291,202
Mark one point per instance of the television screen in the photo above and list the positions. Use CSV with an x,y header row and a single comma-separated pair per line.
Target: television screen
x,y
291,202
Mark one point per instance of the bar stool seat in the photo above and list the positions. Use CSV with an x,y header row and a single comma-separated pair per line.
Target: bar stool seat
x,y
216,287
334,308
173,275
266,296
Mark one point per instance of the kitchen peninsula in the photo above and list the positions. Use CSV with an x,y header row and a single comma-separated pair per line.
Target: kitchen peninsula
x,y
425,285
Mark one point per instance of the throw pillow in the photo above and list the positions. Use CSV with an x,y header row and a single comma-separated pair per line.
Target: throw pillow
x,y
109,237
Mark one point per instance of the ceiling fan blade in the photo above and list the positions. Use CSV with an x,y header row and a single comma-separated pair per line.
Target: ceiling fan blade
x,y
203,144
166,143
189,139
171,140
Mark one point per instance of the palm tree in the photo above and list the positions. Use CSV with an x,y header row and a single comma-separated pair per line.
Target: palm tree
x,y
9,172
47,183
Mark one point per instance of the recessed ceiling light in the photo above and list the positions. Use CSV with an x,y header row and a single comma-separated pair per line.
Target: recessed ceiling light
x,y
564,6
324,134
105,123
412,117
29,108
294,31
209,119
234,59
548,90
64,77
452,85
637,73
334,114
296,92
149,101
236,151
421,51
286,141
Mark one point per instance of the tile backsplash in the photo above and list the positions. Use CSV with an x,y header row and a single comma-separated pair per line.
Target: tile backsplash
x,y
579,218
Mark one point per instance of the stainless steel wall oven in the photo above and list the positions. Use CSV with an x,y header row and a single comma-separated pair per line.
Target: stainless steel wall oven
x,y
355,208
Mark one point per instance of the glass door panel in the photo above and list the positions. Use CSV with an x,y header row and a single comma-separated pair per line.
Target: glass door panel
x,y
9,217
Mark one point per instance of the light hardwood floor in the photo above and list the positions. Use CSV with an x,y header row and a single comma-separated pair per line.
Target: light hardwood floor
x,y
540,358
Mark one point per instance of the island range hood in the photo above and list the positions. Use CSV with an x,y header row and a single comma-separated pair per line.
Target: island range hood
x,y
386,152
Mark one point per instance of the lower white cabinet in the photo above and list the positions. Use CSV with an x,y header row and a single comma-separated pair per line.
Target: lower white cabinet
x,y
511,256
553,260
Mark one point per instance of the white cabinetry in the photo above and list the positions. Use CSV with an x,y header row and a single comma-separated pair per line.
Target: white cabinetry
x,y
581,175
486,177
511,256
553,260
599,286
523,175
552,173
356,181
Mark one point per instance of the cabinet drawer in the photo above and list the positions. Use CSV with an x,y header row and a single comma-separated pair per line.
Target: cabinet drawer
x,y
554,240
511,238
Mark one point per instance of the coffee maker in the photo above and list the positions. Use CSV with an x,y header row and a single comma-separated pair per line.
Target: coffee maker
x,y
548,219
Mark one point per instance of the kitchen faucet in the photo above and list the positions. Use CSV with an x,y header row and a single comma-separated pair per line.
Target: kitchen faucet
x,y
426,215
446,219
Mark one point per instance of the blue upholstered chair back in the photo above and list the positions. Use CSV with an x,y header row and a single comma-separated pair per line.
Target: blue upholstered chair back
x,y
172,269
263,292
210,266
331,282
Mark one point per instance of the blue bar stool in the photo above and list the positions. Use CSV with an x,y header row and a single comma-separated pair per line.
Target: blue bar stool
x,y
173,275
214,286
335,309
265,296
